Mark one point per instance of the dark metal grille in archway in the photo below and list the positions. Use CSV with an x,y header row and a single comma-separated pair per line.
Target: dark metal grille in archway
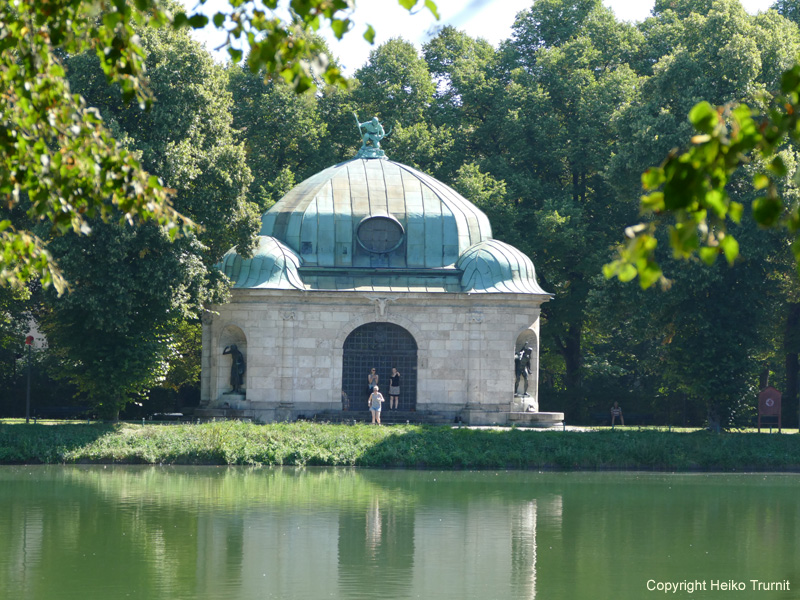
x,y
380,346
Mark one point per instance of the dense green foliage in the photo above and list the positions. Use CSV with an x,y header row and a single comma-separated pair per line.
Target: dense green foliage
x,y
548,134
404,446
61,163
745,62
132,287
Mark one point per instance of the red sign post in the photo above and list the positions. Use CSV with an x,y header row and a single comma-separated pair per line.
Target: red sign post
x,y
769,405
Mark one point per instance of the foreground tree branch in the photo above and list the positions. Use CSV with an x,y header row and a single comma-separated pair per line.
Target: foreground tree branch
x,y
691,186
59,163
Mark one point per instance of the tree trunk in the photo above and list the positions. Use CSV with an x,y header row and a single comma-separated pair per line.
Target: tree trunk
x,y
575,186
791,341
570,349
763,378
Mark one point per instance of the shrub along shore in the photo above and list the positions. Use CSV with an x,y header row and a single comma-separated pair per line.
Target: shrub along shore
x,y
403,446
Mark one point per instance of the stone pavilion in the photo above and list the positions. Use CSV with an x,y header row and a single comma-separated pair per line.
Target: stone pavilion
x,y
374,264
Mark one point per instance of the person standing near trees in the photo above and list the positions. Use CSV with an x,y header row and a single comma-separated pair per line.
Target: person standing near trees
x,y
616,411
375,401
394,389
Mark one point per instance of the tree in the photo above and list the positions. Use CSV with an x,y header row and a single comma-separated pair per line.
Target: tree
x,y
560,98
726,56
14,321
464,107
283,133
112,331
692,186
132,286
395,85
60,160
788,9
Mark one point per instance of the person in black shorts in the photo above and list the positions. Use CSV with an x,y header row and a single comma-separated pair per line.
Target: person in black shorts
x,y
394,389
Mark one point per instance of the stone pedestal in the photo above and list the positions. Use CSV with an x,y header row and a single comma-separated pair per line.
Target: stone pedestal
x,y
234,401
524,404
521,411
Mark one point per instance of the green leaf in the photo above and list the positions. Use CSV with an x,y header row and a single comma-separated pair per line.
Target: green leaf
x,y
369,34
407,4
681,185
653,202
708,255
790,79
735,211
626,273
198,21
778,166
652,178
704,117
766,211
340,27
683,239
219,19
715,200
730,247
649,273
431,6
760,181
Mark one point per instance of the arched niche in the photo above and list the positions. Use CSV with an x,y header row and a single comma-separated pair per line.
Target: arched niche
x,y
231,334
530,338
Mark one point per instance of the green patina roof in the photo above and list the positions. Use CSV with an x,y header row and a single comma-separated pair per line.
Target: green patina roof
x,y
495,267
272,266
318,218
442,243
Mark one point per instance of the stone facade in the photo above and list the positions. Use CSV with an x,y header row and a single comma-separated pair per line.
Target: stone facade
x,y
371,263
293,343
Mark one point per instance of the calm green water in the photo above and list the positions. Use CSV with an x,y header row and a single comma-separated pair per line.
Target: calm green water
x,y
234,533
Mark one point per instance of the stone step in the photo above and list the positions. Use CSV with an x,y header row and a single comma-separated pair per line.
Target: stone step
x,y
536,419
387,417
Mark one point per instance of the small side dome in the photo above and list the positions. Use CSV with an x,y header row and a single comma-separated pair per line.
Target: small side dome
x,y
273,266
492,266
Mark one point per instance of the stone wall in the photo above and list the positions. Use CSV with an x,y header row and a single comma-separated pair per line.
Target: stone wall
x,y
294,345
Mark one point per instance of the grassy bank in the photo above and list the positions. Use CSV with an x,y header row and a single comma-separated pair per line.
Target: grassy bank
x,y
410,446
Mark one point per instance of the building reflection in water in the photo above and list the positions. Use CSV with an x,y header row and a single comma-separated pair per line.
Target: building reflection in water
x,y
523,550
376,548
458,545
276,535
90,533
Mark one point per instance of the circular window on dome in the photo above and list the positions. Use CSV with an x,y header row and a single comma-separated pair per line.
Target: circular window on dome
x,y
380,234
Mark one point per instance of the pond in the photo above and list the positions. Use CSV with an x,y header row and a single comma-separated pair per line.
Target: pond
x,y
103,532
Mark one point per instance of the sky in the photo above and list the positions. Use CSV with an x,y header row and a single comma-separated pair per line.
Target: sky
x,y
489,19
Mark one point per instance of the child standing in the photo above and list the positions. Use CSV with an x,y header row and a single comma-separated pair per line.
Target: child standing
x,y
375,401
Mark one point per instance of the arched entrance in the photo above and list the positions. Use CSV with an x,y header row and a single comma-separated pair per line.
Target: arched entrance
x,y
382,346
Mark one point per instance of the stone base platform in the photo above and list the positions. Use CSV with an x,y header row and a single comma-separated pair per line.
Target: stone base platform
x,y
471,416
518,413
535,419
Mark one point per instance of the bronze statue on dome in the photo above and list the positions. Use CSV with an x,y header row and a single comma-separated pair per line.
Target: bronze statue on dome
x,y
372,132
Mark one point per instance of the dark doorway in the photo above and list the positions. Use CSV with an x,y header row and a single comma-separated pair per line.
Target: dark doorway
x,y
380,346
